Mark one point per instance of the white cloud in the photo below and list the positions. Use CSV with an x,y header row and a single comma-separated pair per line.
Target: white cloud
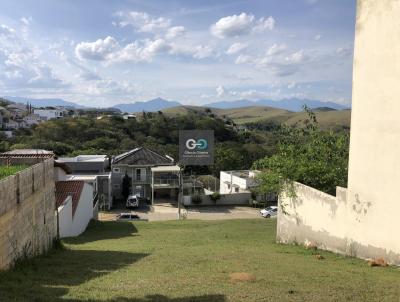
x,y
292,85
343,51
232,26
237,25
297,57
26,21
243,59
317,37
264,24
197,52
143,22
235,48
220,91
6,31
276,49
174,32
98,50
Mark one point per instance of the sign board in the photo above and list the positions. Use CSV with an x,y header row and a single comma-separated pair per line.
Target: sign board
x,y
196,147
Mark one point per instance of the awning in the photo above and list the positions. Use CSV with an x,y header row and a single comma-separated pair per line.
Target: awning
x,y
166,169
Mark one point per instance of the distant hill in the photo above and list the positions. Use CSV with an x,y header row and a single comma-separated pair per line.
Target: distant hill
x,y
149,106
328,118
43,102
292,104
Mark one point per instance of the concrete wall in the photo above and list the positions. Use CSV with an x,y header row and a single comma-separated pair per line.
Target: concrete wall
x,y
337,224
84,211
27,213
374,166
226,199
65,218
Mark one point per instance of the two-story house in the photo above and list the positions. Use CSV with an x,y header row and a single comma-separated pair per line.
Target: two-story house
x,y
149,174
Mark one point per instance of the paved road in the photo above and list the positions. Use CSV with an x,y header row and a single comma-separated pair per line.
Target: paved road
x,y
160,212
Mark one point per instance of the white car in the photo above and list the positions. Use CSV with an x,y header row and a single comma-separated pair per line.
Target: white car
x,y
269,212
132,201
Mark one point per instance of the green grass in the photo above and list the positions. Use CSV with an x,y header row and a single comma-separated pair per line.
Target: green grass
x,y
6,171
191,261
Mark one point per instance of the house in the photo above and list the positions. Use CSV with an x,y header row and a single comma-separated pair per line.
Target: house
x,y
147,173
32,119
129,117
93,170
240,181
15,124
48,114
86,164
75,207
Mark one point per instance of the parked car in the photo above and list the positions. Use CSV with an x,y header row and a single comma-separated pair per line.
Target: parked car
x,y
269,212
133,201
127,216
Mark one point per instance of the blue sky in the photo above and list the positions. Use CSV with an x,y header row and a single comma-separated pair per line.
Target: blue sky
x,y
101,53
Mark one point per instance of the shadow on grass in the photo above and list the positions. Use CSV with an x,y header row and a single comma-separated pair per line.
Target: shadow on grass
x,y
103,230
48,278
161,298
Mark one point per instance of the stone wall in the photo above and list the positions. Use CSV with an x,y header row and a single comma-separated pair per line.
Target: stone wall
x,y
27,213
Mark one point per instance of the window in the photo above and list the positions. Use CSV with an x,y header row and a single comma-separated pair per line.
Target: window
x,y
236,190
138,174
229,186
116,186
116,170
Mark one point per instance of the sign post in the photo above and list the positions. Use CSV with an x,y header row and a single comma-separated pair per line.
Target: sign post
x,y
196,148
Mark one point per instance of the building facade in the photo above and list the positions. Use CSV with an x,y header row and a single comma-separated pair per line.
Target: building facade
x,y
150,175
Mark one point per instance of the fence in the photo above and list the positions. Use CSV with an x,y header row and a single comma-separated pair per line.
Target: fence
x,y
27,213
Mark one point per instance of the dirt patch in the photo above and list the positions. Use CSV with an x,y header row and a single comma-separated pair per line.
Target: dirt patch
x,y
242,277
377,262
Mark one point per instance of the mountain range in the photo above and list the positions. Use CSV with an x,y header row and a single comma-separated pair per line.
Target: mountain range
x,y
293,104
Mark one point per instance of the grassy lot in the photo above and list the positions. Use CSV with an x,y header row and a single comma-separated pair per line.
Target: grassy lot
x,y
192,261
6,171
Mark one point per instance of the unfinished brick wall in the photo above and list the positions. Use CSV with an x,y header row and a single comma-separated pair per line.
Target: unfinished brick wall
x,y
27,213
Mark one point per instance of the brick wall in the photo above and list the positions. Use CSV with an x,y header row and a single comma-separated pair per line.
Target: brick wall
x,y
27,213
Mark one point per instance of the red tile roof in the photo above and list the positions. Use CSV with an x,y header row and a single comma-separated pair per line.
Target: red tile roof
x,y
67,188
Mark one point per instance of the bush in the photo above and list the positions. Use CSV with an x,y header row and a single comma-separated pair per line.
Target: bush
x,y
215,197
196,199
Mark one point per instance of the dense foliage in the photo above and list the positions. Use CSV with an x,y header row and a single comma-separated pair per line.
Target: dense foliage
x,y
308,155
113,135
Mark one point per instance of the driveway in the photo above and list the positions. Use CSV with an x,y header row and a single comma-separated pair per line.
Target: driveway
x,y
168,211
222,212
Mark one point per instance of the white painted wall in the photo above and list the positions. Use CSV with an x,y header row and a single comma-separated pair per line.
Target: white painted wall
x,y
334,223
69,225
84,211
65,218
243,183
48,114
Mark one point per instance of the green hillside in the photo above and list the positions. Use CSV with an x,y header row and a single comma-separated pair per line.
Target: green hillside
x,y
328,118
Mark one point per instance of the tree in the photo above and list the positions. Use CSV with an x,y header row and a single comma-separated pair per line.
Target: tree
x,y
126,186
315,158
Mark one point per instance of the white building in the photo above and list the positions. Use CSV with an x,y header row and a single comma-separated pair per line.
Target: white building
x,y
240,181
32,119
75,207
48,114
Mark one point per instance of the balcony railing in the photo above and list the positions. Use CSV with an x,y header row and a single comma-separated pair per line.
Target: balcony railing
x,y
166,182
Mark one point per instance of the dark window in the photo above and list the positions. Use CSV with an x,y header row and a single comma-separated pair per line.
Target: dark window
x,y
138,174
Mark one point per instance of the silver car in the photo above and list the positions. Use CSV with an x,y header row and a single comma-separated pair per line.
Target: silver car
x,y
269,212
